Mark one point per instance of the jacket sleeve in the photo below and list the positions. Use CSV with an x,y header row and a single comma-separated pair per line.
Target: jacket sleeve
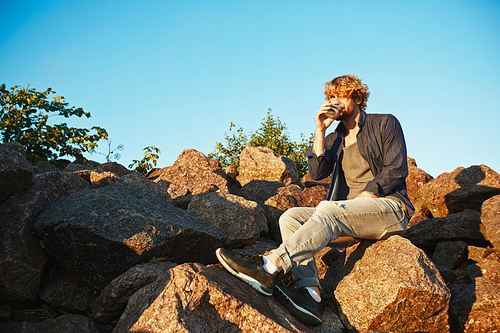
x,y
320,167
390,160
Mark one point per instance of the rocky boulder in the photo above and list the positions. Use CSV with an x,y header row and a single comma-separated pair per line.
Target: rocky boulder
x,y
264,164
158,189
101,179
77,166
22,259
63,289
113,300
45,166
416,178
490,218
456,191
241,220
288,197
450,254
65,323
476,298
390,286
195,298
16,146
99,234
192,173
16,173
115,168
307,181
260,190
96,175
464,226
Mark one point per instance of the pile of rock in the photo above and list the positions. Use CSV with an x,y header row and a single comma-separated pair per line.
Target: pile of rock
x,y
101,249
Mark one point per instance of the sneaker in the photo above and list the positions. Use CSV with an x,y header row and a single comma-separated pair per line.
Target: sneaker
x,y
249,269
300,303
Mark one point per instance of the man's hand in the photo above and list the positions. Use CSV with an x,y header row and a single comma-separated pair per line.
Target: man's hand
x,y
365,194
322,123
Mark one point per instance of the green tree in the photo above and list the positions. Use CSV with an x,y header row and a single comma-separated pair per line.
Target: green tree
x,y
272,134
24,117
229,154
148,162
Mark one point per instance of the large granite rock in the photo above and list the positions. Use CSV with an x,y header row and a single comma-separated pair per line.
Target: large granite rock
x,y
241,220
490,218
158,189
465,226
390,286
475,301
115,168
416,178
99,234
192,173
45,166
456,191
63,289
95,174
264,164
16,173
260,190
450,254
113,300
104,178
288,197
65,323
195,298
22,259
307,181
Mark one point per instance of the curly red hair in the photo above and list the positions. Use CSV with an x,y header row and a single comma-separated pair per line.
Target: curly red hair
x,y
348,86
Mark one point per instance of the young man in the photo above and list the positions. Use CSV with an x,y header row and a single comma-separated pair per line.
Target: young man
x,y
366,156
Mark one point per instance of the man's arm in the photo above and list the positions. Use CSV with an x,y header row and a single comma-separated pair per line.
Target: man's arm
x,y
322,123
319,160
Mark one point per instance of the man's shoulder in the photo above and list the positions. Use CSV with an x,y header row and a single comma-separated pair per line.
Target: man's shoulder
x,y
381,118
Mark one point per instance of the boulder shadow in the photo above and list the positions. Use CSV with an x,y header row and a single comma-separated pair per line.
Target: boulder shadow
x,y
463,297
470,195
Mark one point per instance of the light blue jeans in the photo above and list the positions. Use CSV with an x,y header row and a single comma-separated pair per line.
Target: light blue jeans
x,y
307,230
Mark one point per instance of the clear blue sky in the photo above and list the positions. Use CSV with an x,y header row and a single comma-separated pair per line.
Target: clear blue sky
x,y
174,73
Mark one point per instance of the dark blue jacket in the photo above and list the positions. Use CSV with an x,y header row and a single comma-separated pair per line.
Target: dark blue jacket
x,y
381,143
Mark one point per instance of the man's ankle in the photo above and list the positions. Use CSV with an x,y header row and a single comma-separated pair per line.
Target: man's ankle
x,y
269,266
275,260
314,292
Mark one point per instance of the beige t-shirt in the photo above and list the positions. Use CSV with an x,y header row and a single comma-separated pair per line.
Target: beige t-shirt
x,y
356,170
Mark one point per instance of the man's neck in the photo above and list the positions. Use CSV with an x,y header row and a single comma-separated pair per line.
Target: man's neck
x,y
352,121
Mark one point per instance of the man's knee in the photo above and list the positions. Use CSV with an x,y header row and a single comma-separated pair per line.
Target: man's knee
x,y
287,218
291,220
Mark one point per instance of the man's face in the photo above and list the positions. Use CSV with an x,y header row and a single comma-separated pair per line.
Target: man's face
x,y
348,106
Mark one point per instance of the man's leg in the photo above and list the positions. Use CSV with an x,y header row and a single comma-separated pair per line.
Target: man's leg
x,y
291,221
366,218
361,218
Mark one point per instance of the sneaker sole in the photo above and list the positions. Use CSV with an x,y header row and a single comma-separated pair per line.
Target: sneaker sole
x,y
245,278
301,313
